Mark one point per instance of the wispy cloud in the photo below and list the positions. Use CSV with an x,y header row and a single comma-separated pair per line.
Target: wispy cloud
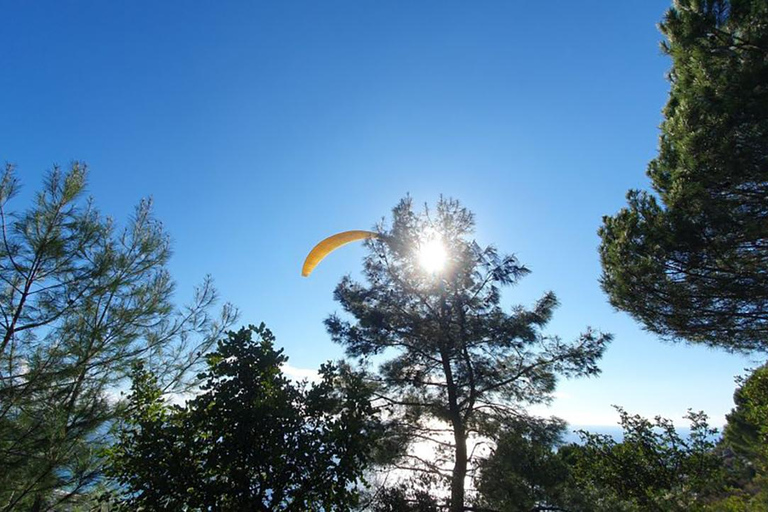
x,y
294,373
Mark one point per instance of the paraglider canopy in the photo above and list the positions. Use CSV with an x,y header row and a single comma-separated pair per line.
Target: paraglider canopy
x,y
321,250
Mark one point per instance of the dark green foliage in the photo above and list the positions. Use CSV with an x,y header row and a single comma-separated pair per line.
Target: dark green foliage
x,y
405,497
690,261
744,443
742,433
80,303
251,440
525,471
754,395
454,358
652,469
746,432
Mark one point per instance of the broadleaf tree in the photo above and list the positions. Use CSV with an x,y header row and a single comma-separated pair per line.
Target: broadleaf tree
x,y
454,361
81,301
252,440
689,260
653,467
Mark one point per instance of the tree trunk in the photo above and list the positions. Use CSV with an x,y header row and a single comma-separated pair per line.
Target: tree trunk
x,y
459,438
459,470
37,506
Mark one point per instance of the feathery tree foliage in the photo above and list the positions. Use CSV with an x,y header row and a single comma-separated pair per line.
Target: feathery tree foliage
x,y
80,303
457,364
251,441
690,261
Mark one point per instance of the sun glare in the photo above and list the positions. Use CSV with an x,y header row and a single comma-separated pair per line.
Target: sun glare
x,y
432,255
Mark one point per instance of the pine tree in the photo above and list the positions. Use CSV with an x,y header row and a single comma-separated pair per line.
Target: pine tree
x,y
80,303
690,260
455,361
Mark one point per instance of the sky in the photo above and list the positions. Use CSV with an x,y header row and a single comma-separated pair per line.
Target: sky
x,y
259,128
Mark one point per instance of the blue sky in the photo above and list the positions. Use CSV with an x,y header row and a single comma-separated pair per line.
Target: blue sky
x,y
261,127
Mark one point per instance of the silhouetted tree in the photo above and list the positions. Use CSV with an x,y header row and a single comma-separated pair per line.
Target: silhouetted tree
x,y
452,355
524,472
251,441
405,497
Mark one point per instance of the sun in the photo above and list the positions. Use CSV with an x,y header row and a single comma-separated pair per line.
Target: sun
x,y
432,255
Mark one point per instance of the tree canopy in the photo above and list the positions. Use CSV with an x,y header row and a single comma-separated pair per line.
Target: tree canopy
x,y
653,467
455,364
80,303
252,440
690,259
747,429
525,472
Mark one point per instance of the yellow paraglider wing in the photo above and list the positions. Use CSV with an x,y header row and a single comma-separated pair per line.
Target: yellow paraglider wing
x,y
330,244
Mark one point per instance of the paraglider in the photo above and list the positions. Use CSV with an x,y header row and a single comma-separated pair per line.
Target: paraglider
x,y
330,244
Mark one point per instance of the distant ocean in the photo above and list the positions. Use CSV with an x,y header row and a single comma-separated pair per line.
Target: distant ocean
x,y
615,432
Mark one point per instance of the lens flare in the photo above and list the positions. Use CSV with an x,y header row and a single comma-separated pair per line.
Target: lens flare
x,y
432,255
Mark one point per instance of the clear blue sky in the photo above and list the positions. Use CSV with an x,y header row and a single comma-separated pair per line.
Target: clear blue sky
x,y
261,127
